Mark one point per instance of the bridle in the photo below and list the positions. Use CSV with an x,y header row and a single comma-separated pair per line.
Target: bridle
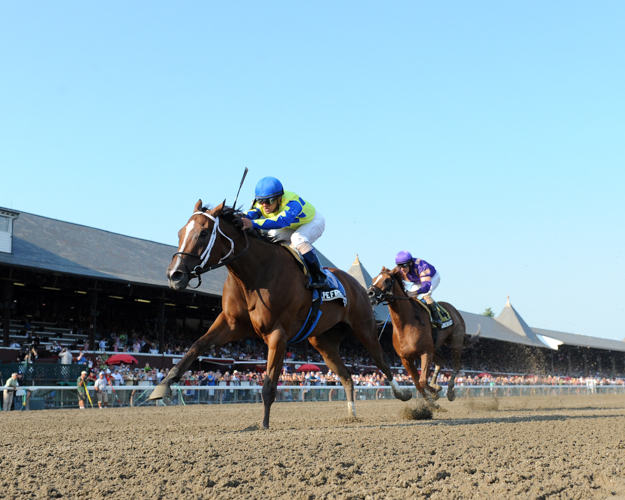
x,y
385,296
205,255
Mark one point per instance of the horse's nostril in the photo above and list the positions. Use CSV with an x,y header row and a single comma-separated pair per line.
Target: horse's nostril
x,y
176,276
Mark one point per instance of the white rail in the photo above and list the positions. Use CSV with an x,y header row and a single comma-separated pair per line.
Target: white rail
x,y
56,397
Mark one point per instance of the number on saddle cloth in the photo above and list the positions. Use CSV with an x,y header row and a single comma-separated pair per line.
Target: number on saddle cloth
x,y
442,312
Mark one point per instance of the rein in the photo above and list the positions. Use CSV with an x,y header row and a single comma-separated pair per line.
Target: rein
x,y
386,298
200,269
385,295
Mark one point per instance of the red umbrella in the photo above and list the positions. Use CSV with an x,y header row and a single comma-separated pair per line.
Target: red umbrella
x,y
117,359
484,375
309,368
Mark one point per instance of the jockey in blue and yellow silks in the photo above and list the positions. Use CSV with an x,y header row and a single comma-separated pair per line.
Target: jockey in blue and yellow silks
x,y
288,218
420,278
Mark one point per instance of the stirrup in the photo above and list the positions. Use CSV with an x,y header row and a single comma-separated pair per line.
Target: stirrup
x,y
317,285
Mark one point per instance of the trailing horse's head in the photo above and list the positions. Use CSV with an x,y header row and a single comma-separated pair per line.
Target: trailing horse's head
x,y
381,288
202,245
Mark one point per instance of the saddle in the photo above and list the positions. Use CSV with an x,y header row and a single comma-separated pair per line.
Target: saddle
x,y
335,290
442,312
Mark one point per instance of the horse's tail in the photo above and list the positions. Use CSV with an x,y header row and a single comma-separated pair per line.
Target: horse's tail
x,y
471,340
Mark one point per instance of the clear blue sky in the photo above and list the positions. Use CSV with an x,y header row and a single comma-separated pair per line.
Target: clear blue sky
x,y
485,137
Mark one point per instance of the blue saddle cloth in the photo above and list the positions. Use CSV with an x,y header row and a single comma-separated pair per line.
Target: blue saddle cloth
x,y
335,288
334,291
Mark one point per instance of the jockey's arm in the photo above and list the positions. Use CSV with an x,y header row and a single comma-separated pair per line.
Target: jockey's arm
x,y
284,219
254,213
426,284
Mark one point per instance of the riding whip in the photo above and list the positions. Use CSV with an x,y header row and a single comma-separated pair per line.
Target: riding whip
x,y
234,205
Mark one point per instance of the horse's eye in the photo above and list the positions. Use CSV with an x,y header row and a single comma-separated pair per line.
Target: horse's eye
x,y
203,234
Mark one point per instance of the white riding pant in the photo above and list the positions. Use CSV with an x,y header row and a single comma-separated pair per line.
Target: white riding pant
x,y
411,288
306,233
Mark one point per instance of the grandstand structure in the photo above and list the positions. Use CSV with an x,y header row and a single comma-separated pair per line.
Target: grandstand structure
x,y
68,279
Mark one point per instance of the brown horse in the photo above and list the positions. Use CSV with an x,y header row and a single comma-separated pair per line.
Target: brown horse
x,y
412,335
265,296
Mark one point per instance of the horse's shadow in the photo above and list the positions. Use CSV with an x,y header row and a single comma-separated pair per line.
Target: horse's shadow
x,y
495,420
450,423
564,408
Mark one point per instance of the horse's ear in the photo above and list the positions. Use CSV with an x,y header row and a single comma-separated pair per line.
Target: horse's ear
x,y
384,270
198,206
217,210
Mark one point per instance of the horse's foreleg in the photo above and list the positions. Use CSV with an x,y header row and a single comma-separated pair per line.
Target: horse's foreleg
x,y
276,344
220,332
411,368
426,361
328,347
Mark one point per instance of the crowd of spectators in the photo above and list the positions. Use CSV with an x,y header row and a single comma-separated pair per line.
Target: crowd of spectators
x,y
128,375
497,363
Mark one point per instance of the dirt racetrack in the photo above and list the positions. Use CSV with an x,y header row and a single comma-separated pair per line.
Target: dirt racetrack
x,y
522,447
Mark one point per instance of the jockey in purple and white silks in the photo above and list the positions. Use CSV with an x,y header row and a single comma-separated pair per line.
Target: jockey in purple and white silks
x,y
420,278
288,218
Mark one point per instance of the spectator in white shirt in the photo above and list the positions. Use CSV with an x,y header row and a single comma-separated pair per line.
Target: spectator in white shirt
x,y
101,386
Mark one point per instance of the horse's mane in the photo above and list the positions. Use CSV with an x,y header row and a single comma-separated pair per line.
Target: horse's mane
x,y
231,216
398,278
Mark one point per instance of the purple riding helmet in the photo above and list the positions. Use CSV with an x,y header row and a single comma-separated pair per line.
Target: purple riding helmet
x,y
403,257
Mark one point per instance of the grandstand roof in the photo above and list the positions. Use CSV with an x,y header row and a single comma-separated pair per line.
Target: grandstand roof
x,y
511,319
49,245
583,340
490,328
364,278
44,244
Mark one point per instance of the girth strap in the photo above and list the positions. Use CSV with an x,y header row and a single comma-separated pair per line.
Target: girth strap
x,y
311,320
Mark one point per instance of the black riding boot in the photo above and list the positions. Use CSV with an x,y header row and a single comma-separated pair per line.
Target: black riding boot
x,y
319,279
436,319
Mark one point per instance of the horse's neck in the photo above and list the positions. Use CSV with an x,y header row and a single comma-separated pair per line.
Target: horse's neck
x,y
402,311
258,261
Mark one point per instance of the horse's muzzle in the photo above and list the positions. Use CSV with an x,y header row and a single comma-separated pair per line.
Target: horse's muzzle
x,y
178,280
372,297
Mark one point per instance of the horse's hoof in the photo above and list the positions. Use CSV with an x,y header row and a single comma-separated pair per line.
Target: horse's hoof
x,y
160,392
405,395
451,394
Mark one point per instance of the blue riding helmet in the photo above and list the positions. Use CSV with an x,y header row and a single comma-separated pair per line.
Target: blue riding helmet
x,y
268,187
403,257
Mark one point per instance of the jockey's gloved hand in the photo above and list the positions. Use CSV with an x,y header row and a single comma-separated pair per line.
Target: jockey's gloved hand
x,y
245,222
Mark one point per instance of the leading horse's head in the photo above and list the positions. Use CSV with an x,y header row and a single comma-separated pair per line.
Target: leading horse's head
x,y
202,246
381,289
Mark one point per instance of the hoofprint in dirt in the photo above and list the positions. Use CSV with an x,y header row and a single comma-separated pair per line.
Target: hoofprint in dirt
x,y
524,447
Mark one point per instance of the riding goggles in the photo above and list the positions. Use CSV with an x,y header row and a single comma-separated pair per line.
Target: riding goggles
x,y
404,264
268,201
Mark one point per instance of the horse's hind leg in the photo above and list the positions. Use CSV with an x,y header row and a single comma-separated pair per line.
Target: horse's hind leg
x,y
457,342
328,346
368,337
439,361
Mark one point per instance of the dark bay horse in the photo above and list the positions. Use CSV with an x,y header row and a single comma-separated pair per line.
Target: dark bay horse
x,y
412,334
265,296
